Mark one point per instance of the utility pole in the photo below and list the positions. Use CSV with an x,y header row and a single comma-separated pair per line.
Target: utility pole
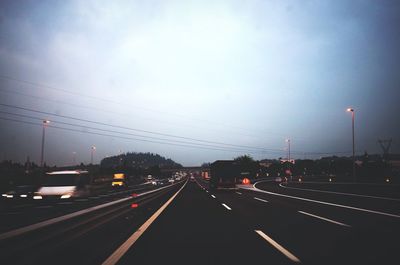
x,y
91,154
288,141
354,156
45,122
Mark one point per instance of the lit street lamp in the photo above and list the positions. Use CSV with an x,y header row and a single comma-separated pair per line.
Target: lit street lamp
x,y
288,141
352,126
45,123
91,154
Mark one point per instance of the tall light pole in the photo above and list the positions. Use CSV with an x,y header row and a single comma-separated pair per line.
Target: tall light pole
x,y
352,129
45,122
91,154
288,141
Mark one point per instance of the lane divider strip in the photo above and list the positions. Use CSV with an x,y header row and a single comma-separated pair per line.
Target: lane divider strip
x,y
341,193
321,202
226,206
117,255
261,200
278,246
325,219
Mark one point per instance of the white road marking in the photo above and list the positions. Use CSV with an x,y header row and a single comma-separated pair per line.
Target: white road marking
x,y
213,196
322,202
325,219
239,193
117,255
226,206
278,246
206,190
341,193
261,200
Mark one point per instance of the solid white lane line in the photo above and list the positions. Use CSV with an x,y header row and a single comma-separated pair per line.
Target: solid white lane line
x,y
226,206
213,196
325,219
261,200
117,255
278,246
239,193
341,193
322,202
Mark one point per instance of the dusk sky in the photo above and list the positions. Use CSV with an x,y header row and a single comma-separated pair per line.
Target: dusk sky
x,y
198,81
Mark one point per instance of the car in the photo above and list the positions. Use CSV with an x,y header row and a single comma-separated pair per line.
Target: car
x,y
23,192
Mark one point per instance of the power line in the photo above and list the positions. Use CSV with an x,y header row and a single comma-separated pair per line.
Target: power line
x,y
125,133
2,90
127,138
108,100
134,129
164,141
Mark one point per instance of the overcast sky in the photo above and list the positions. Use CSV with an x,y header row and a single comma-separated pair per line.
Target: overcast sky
x,y
241,76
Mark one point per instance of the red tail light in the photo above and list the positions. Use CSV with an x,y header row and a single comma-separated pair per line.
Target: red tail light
x,y
134,205
134,195
246,181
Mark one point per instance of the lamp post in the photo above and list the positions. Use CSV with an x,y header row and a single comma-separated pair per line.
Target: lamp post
x,y
45,123
91,154
288,141
352,129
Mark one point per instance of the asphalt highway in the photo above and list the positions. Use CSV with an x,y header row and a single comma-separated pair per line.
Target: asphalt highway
x,y
187,223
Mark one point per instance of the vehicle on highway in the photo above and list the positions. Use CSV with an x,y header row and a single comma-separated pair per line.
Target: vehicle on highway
x,y
224,174
205,175
64,185
119,180
23,192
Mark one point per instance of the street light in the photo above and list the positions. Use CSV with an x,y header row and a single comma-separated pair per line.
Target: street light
x,y
45,123
288,141
91,154
352,126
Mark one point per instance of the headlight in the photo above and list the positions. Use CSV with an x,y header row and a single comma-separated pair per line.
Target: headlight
x,y
23,195
10,196
66,196
37,196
